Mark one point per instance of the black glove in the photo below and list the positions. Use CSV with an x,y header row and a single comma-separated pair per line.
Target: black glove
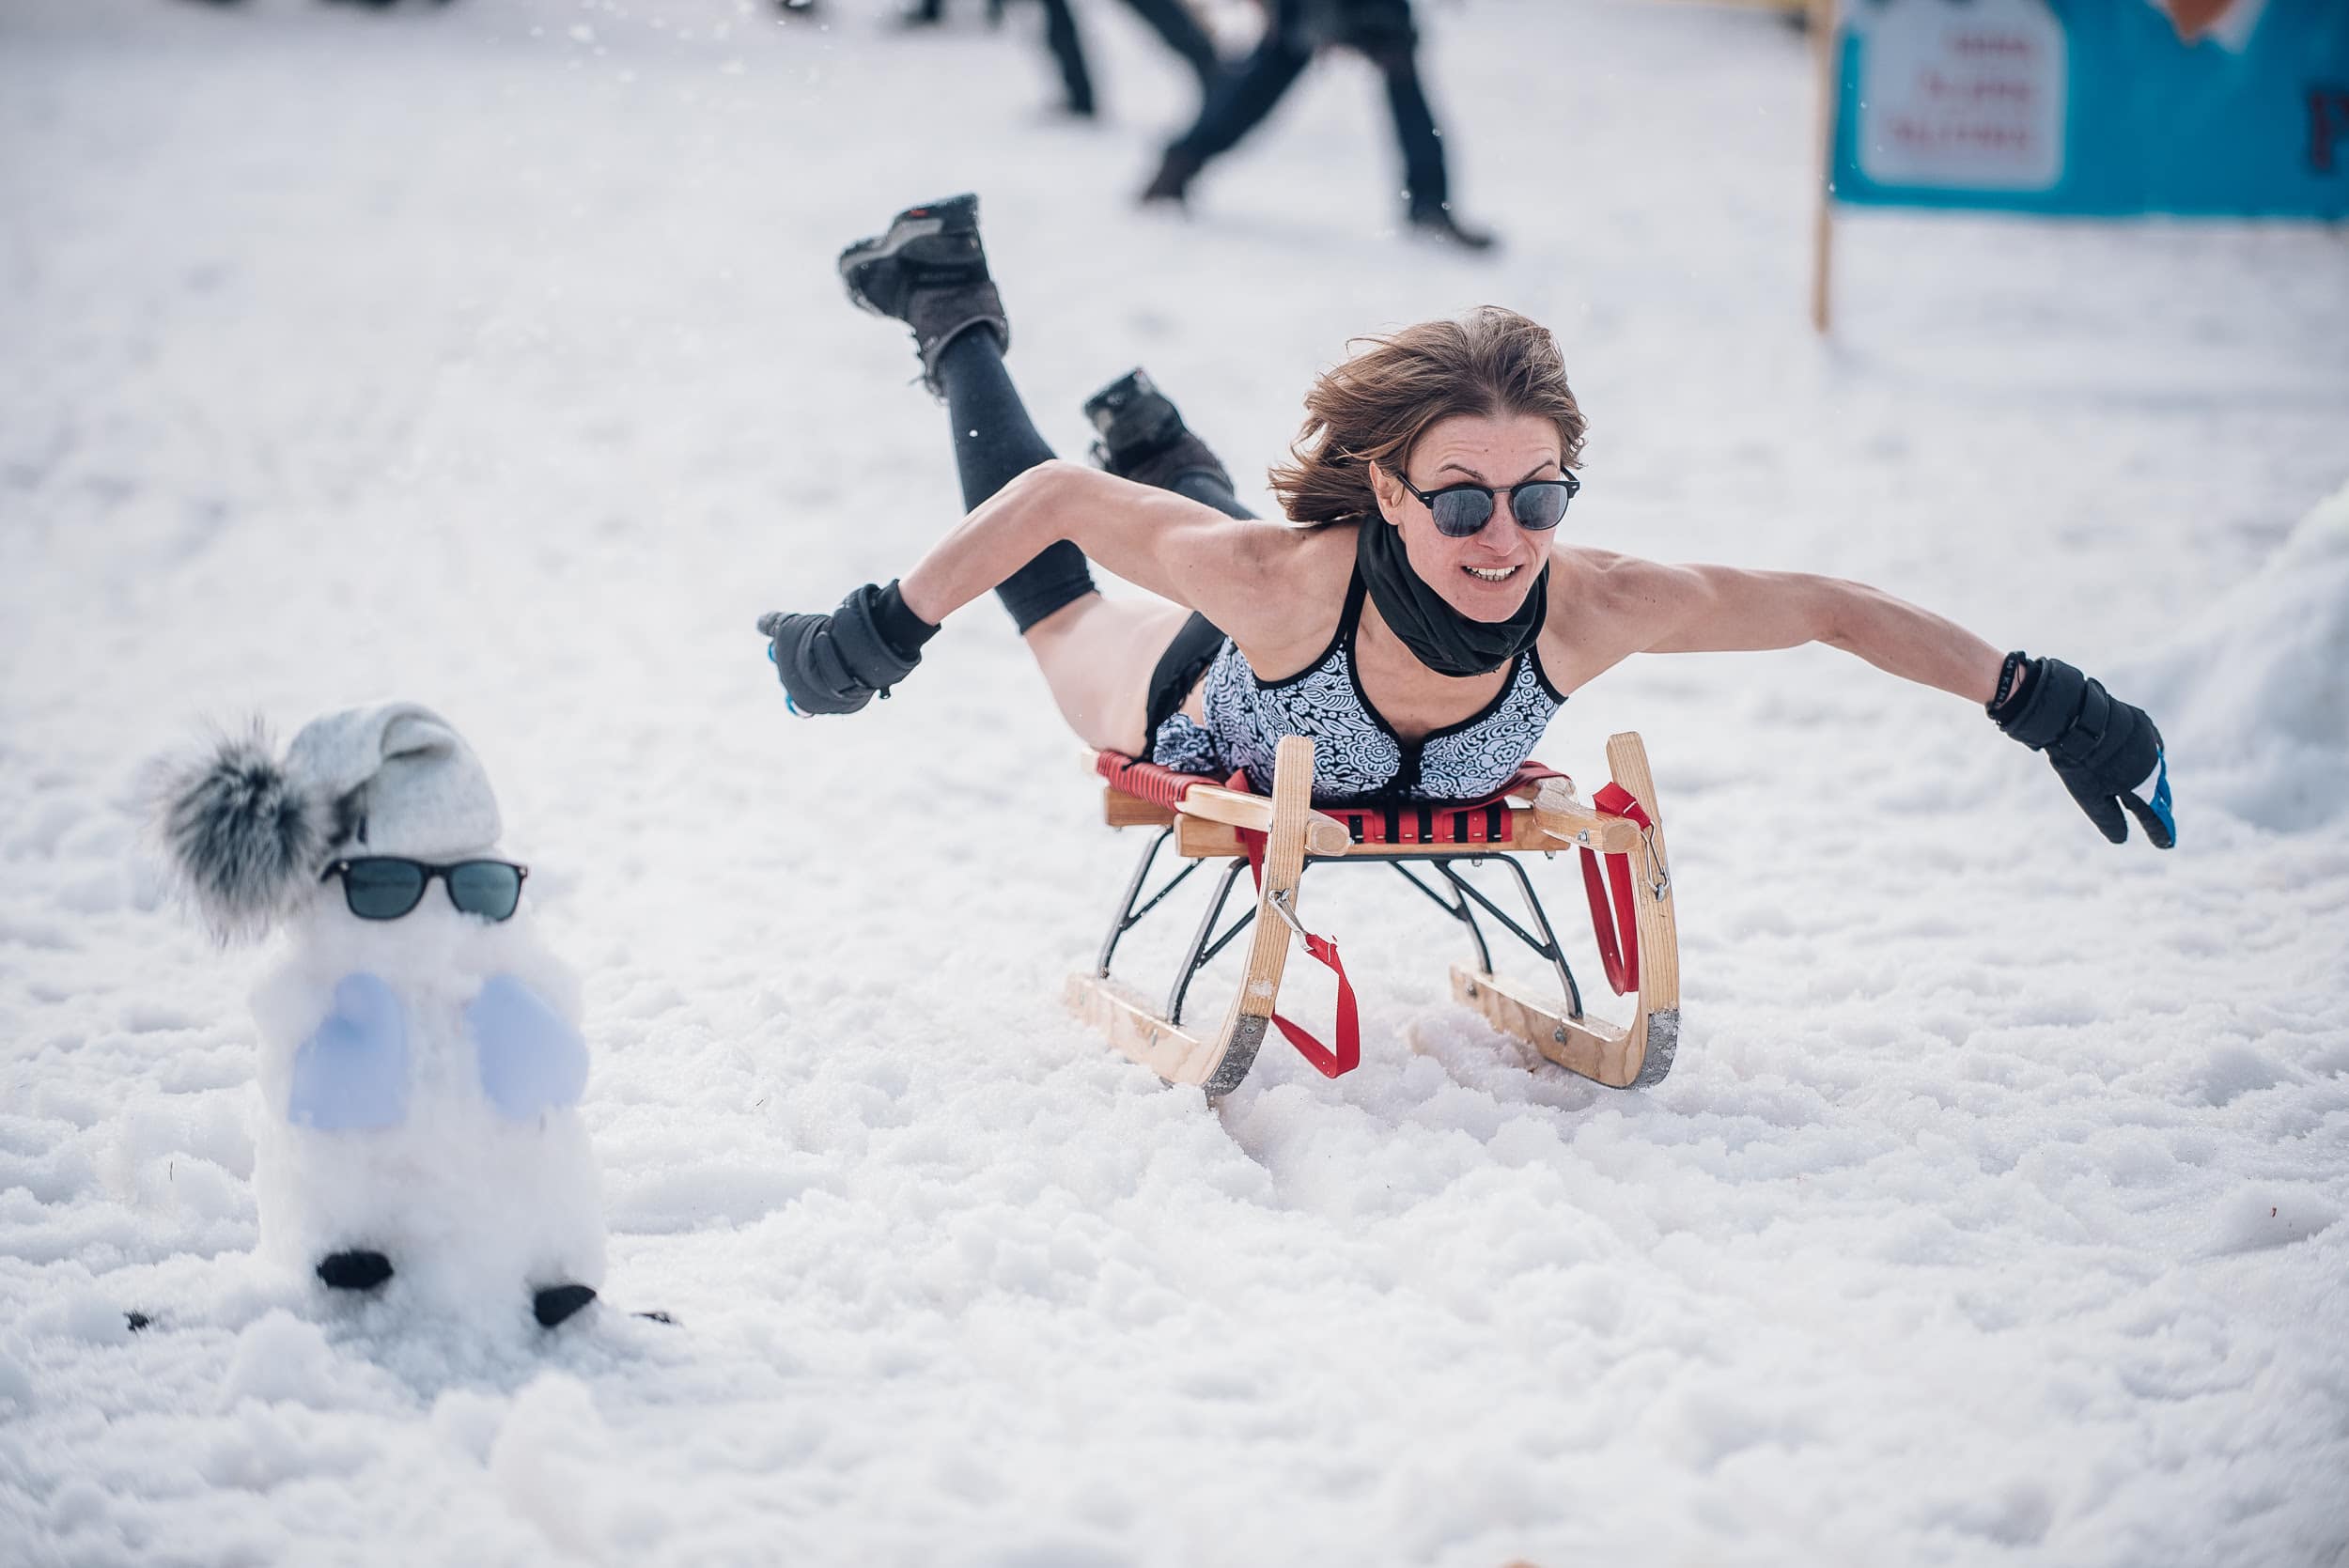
x,y
2100,747
836,663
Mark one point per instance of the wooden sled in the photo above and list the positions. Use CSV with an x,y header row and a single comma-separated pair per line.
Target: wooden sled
x,y
1281,834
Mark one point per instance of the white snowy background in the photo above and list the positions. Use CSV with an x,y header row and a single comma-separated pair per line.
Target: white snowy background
x,y
492,357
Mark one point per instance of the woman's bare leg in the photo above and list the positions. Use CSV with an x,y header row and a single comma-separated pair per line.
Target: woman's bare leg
x,y
1097,654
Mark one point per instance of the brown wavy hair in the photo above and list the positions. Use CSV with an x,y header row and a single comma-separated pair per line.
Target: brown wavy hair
x,y
1374,407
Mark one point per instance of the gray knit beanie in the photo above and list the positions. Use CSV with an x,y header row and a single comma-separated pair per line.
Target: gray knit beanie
x,y
402,783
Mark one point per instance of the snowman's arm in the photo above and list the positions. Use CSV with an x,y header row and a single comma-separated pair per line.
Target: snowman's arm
x,y
532,1059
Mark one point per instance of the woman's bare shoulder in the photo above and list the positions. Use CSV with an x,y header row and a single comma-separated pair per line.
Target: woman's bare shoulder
x,y
1597,584
1305,556
1289,591
1598,598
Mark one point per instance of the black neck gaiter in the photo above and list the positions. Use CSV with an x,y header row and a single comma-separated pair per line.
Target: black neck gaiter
x,y
1443,639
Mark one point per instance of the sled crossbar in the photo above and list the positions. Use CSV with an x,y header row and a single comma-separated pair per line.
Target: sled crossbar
x,y
1280,834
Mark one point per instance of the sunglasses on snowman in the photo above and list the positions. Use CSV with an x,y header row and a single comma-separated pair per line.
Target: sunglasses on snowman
x,y
1462,510
385,887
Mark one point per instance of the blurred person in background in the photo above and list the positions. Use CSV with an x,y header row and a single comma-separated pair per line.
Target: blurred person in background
x,y
929,13
375,5
1172,19
1382,31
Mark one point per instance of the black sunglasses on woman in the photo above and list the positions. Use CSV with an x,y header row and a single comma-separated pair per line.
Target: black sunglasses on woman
x,y
1462,510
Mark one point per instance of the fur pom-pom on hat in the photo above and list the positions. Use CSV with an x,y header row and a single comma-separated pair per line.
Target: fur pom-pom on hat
x,y
242,836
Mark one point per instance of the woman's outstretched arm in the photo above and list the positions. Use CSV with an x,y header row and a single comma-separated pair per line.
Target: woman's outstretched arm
x,y
2107,753
1653,608
1228,569
1258,582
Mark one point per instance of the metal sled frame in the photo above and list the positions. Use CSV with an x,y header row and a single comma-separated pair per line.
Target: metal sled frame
x,y
1204,822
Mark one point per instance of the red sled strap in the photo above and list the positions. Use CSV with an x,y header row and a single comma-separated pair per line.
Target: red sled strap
x,y
1349,1056
1328,1063
1621,959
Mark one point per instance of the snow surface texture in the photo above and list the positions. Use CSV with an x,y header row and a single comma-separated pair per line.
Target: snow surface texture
x,y
1992,1213
2259,682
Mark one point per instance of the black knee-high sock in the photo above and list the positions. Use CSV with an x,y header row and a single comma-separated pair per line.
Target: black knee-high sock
x,y
994,440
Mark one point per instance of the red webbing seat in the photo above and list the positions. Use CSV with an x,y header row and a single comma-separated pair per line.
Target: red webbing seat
x,y
1491,820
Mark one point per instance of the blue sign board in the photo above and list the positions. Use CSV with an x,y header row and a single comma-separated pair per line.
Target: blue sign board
x,y
2095,108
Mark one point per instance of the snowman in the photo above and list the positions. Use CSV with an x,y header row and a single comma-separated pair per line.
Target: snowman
x,y
421,1062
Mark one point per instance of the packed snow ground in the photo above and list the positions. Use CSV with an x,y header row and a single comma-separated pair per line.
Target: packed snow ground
x,y
492,357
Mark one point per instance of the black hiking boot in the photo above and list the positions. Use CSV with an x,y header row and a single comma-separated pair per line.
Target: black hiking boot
x,y
354,1270
1142,436
928,270
1438,223
556,1302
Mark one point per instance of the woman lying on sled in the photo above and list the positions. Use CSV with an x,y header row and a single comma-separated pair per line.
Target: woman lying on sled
x,y
1420,622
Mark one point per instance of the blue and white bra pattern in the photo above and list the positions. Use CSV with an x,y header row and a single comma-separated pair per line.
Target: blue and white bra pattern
x,y
1356,752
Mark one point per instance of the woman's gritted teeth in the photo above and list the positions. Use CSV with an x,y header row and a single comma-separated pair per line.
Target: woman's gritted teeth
x,y
1490,574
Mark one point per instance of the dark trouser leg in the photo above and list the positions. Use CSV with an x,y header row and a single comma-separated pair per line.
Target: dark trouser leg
x,y
1183,35
1059,34
1424,181
1241,101
994,440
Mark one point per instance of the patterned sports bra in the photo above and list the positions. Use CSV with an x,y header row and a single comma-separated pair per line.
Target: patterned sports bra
x,y
1356,752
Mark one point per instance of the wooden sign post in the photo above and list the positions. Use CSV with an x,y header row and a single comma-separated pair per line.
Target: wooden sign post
x,y
1825,56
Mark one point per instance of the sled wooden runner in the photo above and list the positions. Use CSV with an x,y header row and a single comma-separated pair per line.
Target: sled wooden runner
x,y
1620,829
1218,1062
